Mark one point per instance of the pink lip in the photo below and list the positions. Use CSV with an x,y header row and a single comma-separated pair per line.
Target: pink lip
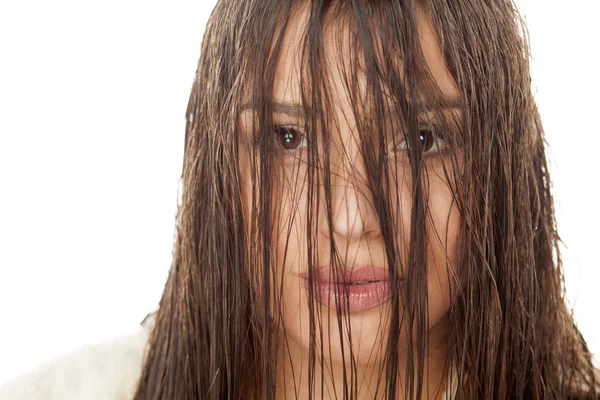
x,y
359,288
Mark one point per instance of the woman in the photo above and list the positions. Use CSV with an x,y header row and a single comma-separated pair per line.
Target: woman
x,y
366,212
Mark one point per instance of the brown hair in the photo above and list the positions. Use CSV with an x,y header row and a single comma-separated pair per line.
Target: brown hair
x,y
511,334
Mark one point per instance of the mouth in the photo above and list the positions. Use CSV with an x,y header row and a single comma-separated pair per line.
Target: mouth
x,y
355,283
357,289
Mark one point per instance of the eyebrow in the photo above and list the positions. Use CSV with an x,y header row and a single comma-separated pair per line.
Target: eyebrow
x,y
294,109
291,109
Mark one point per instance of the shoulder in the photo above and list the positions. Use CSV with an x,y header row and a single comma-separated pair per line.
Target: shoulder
x,y
108,370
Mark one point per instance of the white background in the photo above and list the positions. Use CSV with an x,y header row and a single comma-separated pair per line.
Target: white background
x,y
92,104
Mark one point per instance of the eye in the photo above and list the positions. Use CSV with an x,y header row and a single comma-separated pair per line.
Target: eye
x,y
429,141
289,138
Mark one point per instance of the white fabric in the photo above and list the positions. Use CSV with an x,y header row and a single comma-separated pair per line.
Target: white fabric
x,y
106,371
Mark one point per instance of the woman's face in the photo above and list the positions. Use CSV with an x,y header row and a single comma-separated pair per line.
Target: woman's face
x,y
355,230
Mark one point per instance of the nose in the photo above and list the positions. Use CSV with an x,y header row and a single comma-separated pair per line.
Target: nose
x,y
352,213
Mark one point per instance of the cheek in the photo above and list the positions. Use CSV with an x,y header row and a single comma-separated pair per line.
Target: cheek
x,y
442,235
290,216
442,224
443,216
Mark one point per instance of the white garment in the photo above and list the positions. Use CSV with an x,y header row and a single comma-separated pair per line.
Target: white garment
x,y
109,370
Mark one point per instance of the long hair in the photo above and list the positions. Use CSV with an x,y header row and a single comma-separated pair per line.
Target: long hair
x,y
511,334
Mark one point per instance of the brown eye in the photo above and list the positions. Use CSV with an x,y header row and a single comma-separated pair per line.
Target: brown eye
x,y
289,138
429,141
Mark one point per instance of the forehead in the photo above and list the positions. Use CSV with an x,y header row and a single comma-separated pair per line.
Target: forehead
x,y
342,63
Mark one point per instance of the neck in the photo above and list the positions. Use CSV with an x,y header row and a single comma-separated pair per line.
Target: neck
x,y
364,381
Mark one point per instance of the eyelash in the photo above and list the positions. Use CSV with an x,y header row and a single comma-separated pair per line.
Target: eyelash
x,y
287,131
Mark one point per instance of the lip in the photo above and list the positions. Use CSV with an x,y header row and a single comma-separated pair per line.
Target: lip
x,y
355,289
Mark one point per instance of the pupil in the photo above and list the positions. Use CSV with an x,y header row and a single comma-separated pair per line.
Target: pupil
x,y
427,140
288,138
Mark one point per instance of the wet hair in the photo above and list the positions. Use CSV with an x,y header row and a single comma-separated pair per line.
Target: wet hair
x,y
511,334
